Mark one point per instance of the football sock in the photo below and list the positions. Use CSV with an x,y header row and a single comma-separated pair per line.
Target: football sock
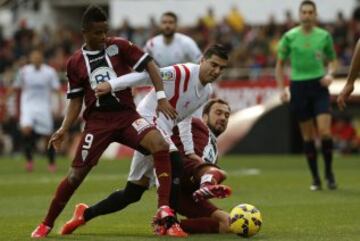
x,y
200,225
311,156
163,172
28,146
177,169
51,155
212,176
62,195
327,149
116,201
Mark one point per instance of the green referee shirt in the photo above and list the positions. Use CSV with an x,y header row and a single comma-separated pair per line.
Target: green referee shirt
x,y
307,52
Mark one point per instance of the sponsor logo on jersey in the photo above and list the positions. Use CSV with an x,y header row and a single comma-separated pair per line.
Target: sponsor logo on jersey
x,y
167,75
101,74
112,50
140,125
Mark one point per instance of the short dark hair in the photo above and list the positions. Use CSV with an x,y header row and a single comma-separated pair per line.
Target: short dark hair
x,y
93,13
211,102
216,49
170,14
308,2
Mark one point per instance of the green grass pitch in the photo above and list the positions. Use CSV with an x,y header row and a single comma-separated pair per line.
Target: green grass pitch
x,y
277,185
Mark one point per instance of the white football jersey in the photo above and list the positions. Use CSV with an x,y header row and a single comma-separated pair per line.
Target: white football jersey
x,y
36,86
182,49
184,91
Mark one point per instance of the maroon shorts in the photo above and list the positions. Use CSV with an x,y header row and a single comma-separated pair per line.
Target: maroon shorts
x,y
102,128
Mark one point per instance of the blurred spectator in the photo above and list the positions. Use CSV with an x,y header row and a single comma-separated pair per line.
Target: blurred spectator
x,y
235,20
345,137
209,19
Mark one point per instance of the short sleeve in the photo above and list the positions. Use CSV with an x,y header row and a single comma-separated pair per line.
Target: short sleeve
x,y
19,80
54,78
283,48
193,52
168,73
133,55
329,48
75,88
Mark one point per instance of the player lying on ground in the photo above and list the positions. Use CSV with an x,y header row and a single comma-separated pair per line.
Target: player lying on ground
x,y
188,87
201,181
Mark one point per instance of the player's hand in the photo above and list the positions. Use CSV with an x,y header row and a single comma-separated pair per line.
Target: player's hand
x,y
195,157
57,138
165,107
344,95
284,96
326,80
102,88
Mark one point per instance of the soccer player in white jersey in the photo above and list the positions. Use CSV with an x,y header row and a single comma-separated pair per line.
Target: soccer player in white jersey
x,y
187,87
170,47
37,81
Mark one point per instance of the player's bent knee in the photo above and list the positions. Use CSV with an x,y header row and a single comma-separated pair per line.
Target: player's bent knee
x,y
154,142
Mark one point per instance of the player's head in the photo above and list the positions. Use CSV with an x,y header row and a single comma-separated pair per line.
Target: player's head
x,y
213,63
216,115
168,24
307,13
36,57
94,27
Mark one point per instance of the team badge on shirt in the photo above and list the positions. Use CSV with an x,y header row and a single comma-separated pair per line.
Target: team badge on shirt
x,y
140,125
101,74
167,75
112,50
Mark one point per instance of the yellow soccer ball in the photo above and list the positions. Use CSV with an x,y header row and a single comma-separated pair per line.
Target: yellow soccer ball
x,y
245,220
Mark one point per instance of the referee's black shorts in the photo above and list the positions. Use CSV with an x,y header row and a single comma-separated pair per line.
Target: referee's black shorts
x,y
309,99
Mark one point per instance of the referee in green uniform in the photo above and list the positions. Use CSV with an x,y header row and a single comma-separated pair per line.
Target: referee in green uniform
x,y
308,47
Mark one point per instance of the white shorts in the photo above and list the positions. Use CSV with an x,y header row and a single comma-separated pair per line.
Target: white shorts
x,y
142,165
40,121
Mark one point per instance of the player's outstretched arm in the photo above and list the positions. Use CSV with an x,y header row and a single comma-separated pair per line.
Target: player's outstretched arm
x,y
353,74
72,112
164,105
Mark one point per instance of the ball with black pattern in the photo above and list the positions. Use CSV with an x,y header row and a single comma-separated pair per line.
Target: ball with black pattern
x,y
245,220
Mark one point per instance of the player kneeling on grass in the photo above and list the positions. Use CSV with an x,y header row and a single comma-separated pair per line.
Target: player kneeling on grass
x,y
200,182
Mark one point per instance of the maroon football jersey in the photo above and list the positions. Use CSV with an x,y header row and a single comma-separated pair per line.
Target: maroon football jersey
x,y
204,141
85,69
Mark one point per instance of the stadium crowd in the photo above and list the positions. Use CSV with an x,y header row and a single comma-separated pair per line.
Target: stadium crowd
x,y
252,46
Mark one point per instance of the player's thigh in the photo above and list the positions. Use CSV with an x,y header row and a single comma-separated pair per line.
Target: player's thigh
x,y
133,132
141,166
44,123
307,129
191,209
300,102
323,122
92,144
26,121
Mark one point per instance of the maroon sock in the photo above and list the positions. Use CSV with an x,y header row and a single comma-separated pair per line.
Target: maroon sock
x,y
62,195
163,172
200,225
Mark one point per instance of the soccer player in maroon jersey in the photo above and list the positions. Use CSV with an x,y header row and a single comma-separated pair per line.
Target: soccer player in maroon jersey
x,y
109,118
201,181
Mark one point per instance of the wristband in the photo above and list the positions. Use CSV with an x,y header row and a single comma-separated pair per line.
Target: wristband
x,y
160,95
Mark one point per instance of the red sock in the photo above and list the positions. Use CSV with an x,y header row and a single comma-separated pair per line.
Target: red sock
x,y
200,225
62,195
163,172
